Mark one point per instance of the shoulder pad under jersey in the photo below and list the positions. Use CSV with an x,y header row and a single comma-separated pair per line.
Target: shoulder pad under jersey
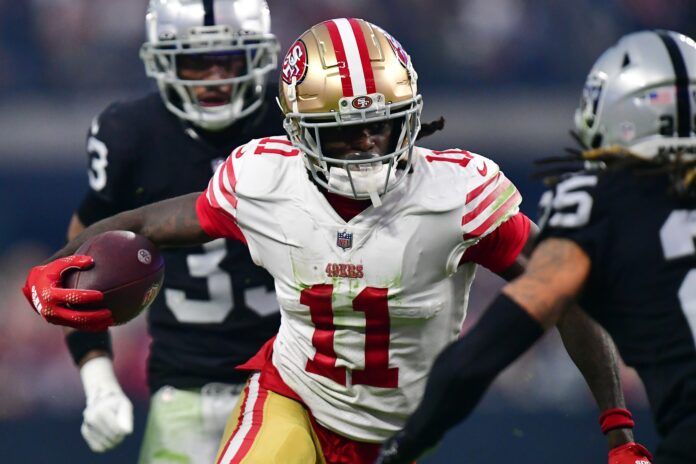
x,y
444,178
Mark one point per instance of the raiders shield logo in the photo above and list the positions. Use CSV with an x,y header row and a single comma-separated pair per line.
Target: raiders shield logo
x,y
344,240
591,96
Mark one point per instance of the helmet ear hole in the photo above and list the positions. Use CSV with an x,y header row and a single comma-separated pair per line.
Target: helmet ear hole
x,y
597,141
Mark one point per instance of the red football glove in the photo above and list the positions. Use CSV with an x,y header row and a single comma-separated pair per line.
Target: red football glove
x,y
46,295
630,453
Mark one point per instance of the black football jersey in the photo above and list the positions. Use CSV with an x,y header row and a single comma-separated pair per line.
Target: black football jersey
x,y
216,307
642,284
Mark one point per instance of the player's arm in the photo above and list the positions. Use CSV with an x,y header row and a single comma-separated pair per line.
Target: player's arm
x,y
591,349
111,150
167,223
186,220
172,222
75,227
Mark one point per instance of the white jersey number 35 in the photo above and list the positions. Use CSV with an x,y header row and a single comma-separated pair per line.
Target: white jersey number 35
x,y
219,282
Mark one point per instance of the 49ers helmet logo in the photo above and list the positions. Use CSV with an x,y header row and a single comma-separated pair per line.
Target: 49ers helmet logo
x,y
361,103
295,63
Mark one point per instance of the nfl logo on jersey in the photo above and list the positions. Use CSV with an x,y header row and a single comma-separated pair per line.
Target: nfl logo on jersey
x,y
344,239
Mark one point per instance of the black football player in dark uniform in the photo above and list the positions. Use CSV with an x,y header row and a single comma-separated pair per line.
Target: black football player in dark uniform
x,y
210,60
619,236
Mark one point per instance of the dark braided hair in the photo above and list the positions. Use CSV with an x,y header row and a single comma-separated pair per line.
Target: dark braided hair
x,y
429,128
681,171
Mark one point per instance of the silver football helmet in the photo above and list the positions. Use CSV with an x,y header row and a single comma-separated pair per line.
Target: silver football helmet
x,y
640,96
232,35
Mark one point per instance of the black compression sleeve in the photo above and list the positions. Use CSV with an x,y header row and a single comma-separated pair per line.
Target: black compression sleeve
x,y
81,343
464,370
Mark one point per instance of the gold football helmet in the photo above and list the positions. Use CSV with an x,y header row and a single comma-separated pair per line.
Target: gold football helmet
x,y
346,72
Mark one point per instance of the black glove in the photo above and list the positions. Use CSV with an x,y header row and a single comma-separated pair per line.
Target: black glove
x,y
396,450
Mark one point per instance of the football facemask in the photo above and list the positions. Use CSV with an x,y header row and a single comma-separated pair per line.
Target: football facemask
x,y
210,68
342,73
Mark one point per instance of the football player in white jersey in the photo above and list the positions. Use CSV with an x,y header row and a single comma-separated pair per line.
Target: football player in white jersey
x,y
372,241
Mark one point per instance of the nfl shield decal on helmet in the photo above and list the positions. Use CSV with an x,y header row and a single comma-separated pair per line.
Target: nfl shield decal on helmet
x,y
628,131
344,239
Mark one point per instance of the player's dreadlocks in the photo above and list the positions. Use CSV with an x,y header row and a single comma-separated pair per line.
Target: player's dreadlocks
x,y
429,128
680,168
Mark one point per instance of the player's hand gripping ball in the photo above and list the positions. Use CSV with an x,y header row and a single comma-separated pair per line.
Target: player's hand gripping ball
x,y
111,278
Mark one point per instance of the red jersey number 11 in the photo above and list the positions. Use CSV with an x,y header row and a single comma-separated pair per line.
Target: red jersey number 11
x,y
371,301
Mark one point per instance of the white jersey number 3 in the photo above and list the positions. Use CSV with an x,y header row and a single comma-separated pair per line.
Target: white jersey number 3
x,y
98,163
219,282
677,237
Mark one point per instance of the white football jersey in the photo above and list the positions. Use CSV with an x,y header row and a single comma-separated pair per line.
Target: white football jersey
x,y
366,304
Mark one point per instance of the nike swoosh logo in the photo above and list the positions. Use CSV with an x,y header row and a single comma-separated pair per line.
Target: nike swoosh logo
x,y
483,171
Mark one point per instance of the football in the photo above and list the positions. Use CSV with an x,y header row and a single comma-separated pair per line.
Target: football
x,y
128,269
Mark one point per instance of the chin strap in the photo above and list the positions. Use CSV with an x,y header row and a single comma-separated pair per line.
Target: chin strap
x,y
376,200
369,180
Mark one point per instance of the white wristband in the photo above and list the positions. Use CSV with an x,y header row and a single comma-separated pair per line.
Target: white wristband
x,y
98,374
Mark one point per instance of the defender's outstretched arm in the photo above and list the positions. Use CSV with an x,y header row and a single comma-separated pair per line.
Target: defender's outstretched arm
x,y
589,346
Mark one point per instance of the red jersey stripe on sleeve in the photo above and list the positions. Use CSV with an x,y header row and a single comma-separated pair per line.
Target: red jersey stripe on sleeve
x,y
478,190
228,185
220,190
215,221
486,201
496,217
488,204
498,250
229,175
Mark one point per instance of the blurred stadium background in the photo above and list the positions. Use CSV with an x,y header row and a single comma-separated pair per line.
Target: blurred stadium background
x,y
506,75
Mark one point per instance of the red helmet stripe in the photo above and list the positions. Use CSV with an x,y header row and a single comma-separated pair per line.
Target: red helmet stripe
x,y
339,50
364,56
